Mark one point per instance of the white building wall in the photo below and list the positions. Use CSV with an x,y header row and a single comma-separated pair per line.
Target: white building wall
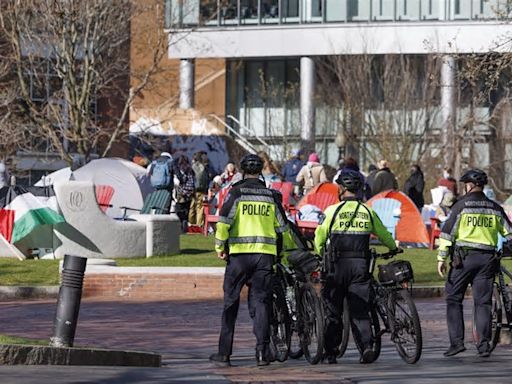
x,y
333,39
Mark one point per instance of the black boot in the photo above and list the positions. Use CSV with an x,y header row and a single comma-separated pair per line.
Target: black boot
x,y
262,358
220,360
454,349
368,356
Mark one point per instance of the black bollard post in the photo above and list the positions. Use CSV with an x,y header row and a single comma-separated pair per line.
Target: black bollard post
x,y
68,304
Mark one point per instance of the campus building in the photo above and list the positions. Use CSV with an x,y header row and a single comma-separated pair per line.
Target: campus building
x,y
249,68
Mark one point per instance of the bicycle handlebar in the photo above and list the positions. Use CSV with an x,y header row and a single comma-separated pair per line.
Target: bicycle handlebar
x,y
387,255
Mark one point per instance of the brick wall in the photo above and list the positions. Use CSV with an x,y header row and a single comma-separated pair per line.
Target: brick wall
x,y
113,283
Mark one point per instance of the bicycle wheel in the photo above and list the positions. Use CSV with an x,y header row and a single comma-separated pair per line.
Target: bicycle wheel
x,y
496,318
376,335
406,327
345,329
312,320
279,326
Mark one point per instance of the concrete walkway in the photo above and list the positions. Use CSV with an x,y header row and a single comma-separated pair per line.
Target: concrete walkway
x,y
186,333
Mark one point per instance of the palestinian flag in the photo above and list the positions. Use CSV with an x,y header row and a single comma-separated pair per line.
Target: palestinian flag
x,y
21,211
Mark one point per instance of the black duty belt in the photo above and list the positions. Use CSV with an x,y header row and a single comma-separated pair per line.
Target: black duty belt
x,y
351,254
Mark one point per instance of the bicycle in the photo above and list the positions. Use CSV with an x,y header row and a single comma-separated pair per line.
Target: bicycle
x,y
501,300
304,314
393,307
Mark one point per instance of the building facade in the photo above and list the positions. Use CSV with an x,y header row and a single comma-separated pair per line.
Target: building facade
x,y
264,88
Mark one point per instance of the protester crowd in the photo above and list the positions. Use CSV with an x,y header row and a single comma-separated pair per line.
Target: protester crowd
x,y
194,182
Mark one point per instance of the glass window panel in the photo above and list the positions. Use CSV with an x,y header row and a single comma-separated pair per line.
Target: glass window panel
x,y
461,9
179,12
270,11
408,9
290,10
430,9
208,12
275,93
190,12
358,10
383,9
335,10
254,103
311,11
228,12
491,9
249,11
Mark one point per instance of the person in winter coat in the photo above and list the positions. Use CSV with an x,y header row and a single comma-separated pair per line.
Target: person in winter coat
x,y
185,190
448,181
270,171
350,164
384,179
414,186
292,167
372,171
312,174
200,167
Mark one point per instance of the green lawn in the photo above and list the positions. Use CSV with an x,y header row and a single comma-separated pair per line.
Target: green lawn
x,y
196,251
5,339
29,272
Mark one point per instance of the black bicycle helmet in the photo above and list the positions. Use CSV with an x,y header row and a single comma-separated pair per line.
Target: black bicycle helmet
x,y
475,176
350,180
251,164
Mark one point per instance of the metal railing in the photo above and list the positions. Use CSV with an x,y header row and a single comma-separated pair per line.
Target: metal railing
x,y
244,130
238,137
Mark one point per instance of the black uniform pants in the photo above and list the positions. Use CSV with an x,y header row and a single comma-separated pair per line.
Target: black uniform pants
x,y
478,268
350,279
256,271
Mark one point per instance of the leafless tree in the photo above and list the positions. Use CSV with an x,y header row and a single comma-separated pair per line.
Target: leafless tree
x,y
70,57
388,105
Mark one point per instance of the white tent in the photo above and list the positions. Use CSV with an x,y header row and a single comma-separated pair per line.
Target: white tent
x,y
129,180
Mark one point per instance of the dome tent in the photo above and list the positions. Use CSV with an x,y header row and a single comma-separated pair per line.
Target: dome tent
x,y
411,229
129,181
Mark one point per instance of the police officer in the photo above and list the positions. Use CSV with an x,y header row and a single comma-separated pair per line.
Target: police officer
x,y
247,235
470,237
344,237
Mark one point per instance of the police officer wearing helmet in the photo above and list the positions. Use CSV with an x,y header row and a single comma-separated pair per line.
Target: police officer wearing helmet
x,y
248,237
470,238
344,239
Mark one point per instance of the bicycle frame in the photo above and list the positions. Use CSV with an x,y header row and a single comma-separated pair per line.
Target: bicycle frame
x,y
502,288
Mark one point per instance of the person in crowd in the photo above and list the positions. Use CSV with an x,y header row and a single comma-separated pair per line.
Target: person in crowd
x,y
311,174
200,167
444,209
414,186
370,178
230,174
161,172
215,187
351,164
292,167
347,228
384,179
448,181
185,190
251,221
270,171
470,238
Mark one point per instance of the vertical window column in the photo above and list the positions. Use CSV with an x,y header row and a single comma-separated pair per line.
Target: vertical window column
x,y
307,102
187,75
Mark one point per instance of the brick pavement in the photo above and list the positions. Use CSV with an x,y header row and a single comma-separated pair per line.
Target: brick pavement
x,y
186,333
